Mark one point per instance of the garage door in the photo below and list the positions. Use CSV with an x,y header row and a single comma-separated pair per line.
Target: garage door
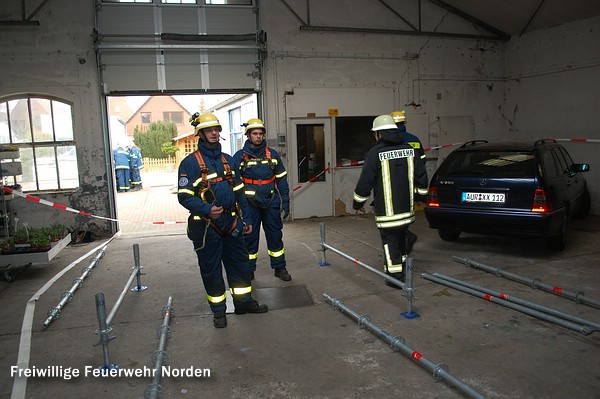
x,y
178,48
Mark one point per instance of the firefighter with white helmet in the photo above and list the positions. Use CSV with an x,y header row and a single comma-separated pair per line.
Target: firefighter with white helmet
x,y
393,176
212,191
267,191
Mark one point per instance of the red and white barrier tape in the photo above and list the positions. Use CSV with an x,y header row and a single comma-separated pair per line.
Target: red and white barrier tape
x,y
69,209
340,165
579,140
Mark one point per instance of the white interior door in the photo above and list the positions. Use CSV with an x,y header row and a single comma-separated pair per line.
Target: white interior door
x,y
311,183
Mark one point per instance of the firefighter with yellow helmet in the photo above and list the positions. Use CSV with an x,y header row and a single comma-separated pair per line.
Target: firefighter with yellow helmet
x,y
212,191
267,191
420,157
391,173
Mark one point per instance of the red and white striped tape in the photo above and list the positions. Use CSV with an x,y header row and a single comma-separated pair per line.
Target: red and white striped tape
x,y
340,165
69,209
580,140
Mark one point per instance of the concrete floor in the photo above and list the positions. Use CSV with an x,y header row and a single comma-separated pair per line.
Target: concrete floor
x,y
303,347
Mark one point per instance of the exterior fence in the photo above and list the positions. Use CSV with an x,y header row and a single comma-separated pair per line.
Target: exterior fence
x,y
169,164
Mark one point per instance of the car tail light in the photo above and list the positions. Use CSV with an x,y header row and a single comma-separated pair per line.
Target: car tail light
x,y
432,196
541,203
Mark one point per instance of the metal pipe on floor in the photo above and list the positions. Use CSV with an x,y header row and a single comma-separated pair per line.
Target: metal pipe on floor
x,y
523,309
134,274
408,286
578,297
440,371
155,390
54,313
523,302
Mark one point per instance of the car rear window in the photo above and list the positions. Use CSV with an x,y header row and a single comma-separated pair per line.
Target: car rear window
x,y
490,164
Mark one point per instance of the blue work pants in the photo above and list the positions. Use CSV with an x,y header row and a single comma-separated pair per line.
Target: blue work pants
x,y
270,221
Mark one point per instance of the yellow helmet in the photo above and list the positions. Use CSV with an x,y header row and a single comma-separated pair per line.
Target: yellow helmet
x,y
254,123
203,121
399,116
383,122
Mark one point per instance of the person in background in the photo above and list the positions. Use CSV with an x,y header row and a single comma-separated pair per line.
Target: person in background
x,y
420,157
135,165
268,194
212,191
391,172
121,159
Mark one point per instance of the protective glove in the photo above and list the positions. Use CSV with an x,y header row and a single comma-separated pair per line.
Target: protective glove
x,y
286,211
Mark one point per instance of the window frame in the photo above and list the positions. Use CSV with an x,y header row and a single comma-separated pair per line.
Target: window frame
x,y
35,146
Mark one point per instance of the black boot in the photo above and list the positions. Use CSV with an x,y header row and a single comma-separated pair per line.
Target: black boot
x,y
220,320
253,307
283,274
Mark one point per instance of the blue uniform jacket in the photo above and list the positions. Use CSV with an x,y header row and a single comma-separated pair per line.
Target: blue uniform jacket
x,y
121,157
136,158
256,170
226,193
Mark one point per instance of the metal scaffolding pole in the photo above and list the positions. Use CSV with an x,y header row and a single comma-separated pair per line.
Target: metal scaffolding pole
x,y
54,313
523,309
103,330
408,287
529,304
578,297
155,390
134,274
440,371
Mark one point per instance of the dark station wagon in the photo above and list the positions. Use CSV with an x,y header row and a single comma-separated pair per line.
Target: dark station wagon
x,y
510,188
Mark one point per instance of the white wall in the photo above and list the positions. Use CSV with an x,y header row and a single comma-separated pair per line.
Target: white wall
x,y
57,58
371,74
553,86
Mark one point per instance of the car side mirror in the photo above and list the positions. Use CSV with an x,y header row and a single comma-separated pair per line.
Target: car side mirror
x,y
579,167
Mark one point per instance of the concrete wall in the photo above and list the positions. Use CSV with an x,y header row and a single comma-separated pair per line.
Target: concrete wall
x,y
57,58
553,86
371,74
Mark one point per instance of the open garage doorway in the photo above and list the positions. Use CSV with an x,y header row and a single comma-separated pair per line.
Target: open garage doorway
x,y
159,127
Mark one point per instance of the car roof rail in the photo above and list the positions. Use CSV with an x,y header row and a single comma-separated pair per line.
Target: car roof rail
x,y
543,141
473,143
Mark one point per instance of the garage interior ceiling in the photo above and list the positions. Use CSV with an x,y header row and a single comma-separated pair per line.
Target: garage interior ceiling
x,y
516,17
511,17
501,19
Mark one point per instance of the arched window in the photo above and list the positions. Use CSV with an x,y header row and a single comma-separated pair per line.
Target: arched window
x,y
42,128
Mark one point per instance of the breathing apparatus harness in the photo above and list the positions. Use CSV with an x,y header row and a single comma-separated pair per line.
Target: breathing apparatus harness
x,y
206,193
260,182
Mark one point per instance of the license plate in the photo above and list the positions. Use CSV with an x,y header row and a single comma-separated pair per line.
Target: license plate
x,y
495,198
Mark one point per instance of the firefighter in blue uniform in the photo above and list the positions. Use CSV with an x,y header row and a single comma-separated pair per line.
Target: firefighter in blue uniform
x,y
211,190
268,194
121,158
420,157
135,165
394,177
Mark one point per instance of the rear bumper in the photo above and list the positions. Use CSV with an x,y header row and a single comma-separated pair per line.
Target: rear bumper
x,y
530,224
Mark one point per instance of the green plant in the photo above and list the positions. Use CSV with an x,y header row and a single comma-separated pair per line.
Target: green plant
x,y
21,236
8,243
56,231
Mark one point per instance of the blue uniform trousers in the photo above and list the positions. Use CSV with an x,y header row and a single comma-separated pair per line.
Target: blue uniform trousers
x,y
231,251
270,220
123,180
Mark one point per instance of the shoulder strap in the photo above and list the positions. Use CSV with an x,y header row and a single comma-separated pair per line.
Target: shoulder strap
x,y
202,164
228,173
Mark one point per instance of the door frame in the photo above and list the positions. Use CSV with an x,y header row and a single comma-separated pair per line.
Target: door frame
x,y
317,196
